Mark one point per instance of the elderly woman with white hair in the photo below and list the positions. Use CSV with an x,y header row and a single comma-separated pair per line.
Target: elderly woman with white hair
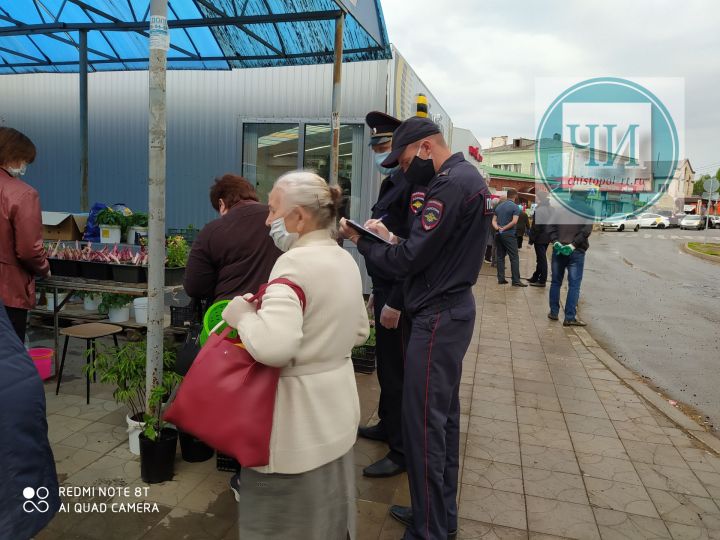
x,y
307,490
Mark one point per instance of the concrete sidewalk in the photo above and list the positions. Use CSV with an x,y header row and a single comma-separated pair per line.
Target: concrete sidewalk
x,y
554,445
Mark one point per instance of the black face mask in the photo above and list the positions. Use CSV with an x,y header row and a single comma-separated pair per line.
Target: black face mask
x,y
420,171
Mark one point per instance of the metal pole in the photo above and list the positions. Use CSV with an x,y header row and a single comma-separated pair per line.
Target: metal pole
x,y
337,87
159,44
84,153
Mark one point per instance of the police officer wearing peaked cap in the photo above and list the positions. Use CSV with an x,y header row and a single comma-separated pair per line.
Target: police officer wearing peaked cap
x,y
397,203
440,260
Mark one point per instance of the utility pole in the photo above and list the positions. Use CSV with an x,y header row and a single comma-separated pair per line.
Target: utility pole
x,y
336,92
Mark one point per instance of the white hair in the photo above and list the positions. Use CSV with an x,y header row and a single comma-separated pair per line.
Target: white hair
x,y
310,191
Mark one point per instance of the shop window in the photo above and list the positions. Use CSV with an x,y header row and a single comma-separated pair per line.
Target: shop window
x,y
269,151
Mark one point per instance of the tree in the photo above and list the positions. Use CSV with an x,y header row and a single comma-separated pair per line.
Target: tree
x,y
698,188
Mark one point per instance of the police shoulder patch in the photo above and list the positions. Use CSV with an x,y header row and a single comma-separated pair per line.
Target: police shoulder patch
x,y
417,200
432,214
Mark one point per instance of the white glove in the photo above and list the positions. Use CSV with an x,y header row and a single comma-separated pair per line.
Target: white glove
x,y
389,317
238,307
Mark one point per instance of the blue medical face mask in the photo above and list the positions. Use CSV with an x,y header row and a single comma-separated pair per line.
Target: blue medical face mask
x,y
379,158
17,173
280,235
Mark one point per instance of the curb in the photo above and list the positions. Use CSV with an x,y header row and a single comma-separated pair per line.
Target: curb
x,y
711,258
633,381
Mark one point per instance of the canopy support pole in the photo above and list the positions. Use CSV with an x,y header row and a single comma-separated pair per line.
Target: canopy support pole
x,y
84,152
159,44
336,94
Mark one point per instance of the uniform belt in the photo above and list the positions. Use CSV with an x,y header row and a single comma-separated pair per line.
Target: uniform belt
x,y
313,368
444,302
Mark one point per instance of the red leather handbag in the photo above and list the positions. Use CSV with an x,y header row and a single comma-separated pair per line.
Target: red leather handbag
x,y
227,399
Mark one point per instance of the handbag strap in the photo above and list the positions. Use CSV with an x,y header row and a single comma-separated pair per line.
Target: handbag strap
x,y
279,281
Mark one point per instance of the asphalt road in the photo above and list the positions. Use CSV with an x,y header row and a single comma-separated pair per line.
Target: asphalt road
x,y
657,310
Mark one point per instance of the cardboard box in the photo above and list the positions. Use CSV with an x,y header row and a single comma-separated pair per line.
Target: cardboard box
x,y
63,225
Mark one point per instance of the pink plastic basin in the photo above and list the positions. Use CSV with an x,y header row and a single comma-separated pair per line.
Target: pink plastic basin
x,y
43,358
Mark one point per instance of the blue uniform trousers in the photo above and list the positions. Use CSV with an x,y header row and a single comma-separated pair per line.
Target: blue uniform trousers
x,y
439,339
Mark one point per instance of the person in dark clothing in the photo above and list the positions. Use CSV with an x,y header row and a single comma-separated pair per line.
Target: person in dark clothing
x,y
398,203
29,496
504,221
522,226
540,239
570,242
234,254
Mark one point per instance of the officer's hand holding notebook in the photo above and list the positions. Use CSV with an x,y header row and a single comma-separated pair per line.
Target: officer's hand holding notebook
x,y
365,230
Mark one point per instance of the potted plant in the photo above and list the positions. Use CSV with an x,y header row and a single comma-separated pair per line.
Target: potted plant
x,y
176,256
363,356
91,300
117,306
158,443
137,225
111,224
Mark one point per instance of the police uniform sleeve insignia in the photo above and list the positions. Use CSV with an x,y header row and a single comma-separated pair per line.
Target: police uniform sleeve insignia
x,y
432,214
417,200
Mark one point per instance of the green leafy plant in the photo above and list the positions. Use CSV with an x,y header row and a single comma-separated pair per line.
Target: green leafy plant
x,y
154,422
113,300
138,219
82,295
177,251
108,216
371,338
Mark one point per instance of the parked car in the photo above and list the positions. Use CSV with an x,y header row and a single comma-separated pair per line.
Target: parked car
x,y
620,222
654,221
693,221
674,219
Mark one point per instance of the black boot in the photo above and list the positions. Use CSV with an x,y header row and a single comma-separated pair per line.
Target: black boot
x,y
374,433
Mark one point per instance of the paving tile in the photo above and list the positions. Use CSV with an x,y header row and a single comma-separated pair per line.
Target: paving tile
x,y
687,509
554,485
487,368
494,411
688,532
537,401
496,381
670,479
619,496
700,459
492,506
99,526
579,394
615,525
499,343
540,417
607,468
96,410
113,467
469,529
97,437
630,411
711,481
61,427
564,519
638,431
587,424
614,398
371,517
493,449
183,523
566,379
612,387
69,460
597,444
541,436
537,375
498,429
534,387
583,408
492,474
494,395
551,459
654,454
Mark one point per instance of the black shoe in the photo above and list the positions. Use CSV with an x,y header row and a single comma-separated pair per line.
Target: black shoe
x,y
235,486
374,433
536,284
384,468
574,322
503,282
552,317
404,515
531,280
519,284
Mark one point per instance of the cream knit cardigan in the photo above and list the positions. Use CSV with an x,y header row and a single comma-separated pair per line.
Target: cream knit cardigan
x,y
317,410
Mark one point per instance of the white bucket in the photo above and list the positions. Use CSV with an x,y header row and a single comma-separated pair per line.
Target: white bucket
x,y
134,430
141,310
51,300
91,302
119,315
110,234
136,232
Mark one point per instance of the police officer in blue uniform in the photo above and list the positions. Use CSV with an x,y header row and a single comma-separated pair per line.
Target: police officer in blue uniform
x,y
440,260
397,202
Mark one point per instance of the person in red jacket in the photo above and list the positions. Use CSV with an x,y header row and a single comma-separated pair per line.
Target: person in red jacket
x,y
22,256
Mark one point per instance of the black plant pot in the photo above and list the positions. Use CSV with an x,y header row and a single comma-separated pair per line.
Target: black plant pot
x,y
63,267
157,458
174,276
193,449
129,273
95,270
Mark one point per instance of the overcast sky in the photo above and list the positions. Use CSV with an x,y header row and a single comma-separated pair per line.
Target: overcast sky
x,y
481,58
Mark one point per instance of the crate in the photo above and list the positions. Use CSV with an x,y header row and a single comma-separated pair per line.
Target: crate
x,y
94,270
128,273
226,463
181,316
363,359
63,267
